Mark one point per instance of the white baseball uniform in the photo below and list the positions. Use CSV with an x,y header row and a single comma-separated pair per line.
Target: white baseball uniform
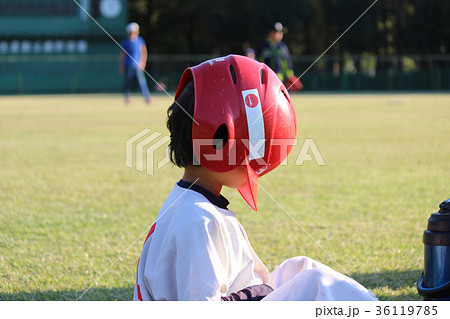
x,y
198,250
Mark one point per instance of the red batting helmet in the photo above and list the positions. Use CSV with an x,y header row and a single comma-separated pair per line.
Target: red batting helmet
x,y
245,101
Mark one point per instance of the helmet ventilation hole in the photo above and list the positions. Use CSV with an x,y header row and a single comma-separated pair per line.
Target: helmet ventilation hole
x,y
220,137
261,75
233,74
285,95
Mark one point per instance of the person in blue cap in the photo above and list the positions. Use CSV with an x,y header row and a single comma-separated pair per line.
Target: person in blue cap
x,y
133,60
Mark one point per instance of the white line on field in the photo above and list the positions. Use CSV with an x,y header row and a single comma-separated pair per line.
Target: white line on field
x,y
134,242
118,44
320,56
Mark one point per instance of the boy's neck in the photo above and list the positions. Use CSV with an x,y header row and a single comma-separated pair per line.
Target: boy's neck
x,y
202,177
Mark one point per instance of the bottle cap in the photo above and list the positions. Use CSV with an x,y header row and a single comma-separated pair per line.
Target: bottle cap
x,y
438,230
445,207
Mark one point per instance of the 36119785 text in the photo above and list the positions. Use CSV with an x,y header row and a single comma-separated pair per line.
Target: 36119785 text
x,y
406,310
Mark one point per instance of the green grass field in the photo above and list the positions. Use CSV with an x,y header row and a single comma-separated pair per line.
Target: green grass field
x,y
69,206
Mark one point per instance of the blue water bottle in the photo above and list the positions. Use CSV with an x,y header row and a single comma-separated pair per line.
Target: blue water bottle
x,y
434,284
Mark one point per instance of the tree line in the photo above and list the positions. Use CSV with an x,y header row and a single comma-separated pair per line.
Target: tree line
x,y
223,26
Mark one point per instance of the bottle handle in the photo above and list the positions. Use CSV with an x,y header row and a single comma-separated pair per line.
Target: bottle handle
x,y
433,293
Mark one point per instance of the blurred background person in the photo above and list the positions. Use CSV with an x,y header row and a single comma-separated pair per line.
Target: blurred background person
x,y
248,50
347,72
275,53
133,62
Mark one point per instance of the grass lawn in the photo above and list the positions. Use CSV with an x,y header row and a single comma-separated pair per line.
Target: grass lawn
x,y
70,207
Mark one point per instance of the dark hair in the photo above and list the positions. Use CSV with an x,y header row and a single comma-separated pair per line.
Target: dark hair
x,y
180,117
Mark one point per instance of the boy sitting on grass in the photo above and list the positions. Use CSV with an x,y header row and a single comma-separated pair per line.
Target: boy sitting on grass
x,y
232,121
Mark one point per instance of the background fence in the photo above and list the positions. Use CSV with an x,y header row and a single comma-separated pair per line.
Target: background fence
x,y
53,46
97,73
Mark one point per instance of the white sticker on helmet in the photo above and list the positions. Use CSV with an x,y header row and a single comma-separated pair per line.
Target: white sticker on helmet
x,y
211,62
255,123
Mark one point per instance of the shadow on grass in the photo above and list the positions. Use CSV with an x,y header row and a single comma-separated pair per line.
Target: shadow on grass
x,y
102,294
402,282
389,285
